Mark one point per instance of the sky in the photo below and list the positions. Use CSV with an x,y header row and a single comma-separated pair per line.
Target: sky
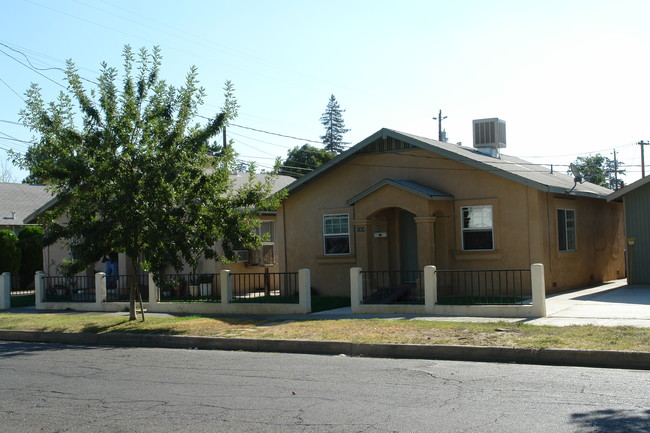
x,y
570,77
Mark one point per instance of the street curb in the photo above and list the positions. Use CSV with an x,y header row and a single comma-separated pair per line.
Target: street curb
x,y
563,357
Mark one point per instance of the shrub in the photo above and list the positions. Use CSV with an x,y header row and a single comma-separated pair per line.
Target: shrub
x,y
30,242
9,252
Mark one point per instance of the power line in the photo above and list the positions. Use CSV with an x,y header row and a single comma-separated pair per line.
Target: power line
x,y
275,133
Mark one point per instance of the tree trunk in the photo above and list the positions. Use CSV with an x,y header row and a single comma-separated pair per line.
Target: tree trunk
x,y
134,289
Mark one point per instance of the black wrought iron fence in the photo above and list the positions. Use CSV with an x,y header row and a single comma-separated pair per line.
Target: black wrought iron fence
x,y
69,289
21,286
393,287
484,287
190,287
118,289
266,287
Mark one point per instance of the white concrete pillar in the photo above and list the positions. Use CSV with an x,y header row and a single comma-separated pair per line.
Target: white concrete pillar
x,y
226,286
5,291
430,288
304,290
538,290
154,294
356,289
39,289
100,290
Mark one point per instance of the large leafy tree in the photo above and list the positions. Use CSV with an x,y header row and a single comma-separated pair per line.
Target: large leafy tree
x,y
133,173
600,170
302,160
332,120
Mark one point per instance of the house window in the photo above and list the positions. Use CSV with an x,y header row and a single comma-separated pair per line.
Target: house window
x,y
477,228
566,229
336,234
265,256
267,228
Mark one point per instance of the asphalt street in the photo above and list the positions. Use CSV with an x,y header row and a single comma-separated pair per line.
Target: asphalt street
x,y
81,389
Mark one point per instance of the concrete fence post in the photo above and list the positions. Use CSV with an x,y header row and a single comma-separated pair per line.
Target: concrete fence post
x,y
226,286
100,290
154,295
538,290
5,291
304,290
356,289
430,288
39,289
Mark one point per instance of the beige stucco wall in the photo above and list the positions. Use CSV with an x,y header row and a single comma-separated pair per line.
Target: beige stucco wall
x,y
524,223
54,255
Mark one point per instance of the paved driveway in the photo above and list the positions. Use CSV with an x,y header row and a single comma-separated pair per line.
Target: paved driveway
x,y
610,304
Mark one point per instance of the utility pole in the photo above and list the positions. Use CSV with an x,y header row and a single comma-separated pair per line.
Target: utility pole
x,y
642,143
440,119
616,186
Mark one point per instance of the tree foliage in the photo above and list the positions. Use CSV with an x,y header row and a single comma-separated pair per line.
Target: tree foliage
x,y
600,170
303,160
332,120
132,173
9,252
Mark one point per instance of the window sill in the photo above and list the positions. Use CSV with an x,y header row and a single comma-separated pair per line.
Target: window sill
x,y
467,256
335,260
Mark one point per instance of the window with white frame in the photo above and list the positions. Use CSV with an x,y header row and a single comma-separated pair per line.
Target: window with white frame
x,y
566,229
266,231
336,234
476,228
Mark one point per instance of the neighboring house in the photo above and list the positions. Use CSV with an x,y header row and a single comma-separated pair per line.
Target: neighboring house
x,y
250,261
396,201
17,201
636,201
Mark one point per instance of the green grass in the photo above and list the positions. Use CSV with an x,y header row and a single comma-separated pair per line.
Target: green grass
x,y
324,303
502,334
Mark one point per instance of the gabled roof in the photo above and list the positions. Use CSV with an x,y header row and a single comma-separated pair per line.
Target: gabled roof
x,y
510,167
239,179
618,195
405,185
18,200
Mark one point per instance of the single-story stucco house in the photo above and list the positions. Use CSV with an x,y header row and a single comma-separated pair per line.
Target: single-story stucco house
x,y
252,261
399,202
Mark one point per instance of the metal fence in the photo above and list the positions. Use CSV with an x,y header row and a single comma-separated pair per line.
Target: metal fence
x,y
484,287
69,289
393,287
118,288
20,286
190,287
266,287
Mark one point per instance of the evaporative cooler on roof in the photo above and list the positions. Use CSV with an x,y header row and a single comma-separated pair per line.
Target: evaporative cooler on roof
x,y
489,135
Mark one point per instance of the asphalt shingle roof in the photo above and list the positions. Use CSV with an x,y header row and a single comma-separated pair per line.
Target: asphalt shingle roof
x,y
513,168
21,198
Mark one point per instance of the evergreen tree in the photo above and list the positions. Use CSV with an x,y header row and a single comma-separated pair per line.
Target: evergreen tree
x,y
332,120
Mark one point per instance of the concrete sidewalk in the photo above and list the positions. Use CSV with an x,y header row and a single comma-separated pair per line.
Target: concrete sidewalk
x,y
610,304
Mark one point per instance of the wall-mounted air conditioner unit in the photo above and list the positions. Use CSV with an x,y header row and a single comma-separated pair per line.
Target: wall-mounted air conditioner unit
x,y
242,255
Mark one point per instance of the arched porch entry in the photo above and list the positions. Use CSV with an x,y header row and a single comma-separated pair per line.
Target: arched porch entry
x,y
401,226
